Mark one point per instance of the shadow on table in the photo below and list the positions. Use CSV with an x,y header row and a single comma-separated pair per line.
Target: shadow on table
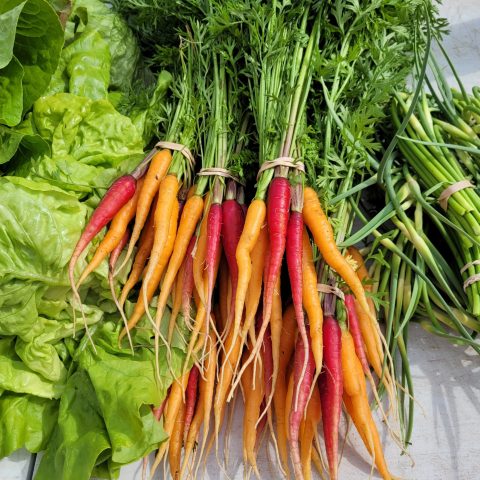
x,y
452,373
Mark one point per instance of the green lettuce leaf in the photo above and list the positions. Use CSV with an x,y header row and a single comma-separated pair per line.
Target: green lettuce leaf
x,y
38,44
11,93
96,15
9,13
15,376
80,440
40,226
26,421
91,143
31,38
126,387
22,139
84,67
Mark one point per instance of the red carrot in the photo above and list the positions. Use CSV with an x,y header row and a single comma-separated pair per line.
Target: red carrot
x,y
295,273
112,261
191,398
267,359
214,226
158,411
121,191
331,389
302,388
278,209
354,328
232,226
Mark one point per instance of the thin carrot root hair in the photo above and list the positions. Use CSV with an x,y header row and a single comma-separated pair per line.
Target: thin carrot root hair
x,y
120,309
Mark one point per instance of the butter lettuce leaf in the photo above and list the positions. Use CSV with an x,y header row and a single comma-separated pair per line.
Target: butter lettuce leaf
x,y
26,421
91,143
80,440
31,37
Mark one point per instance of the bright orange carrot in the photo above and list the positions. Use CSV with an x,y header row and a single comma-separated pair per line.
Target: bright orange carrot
x,y
210,369
114,235
276,323
188,223
317,222
252,384
311,302
289,401
174,403
254,222
254,291
227,365
175,442
167,199
144,248
156,172
147,291
356,402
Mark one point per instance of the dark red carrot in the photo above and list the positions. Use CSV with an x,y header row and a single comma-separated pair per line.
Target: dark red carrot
x,y
354,327
232,226
302,388
278,208
267,359
295,273
188,282
190,399
331,390
214,227
121,191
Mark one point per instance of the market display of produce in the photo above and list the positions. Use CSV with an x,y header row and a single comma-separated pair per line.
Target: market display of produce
x,y
212,204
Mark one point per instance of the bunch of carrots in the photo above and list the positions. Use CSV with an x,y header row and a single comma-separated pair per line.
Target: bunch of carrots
x,y
298,347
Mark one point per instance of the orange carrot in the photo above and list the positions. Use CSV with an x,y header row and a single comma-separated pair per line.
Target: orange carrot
x,y
144,248
210,369
254,291
188,223
167,199
175,442
276,322
147,291
322,231
254,222
356,402
252,384
174,404
311,302
156,172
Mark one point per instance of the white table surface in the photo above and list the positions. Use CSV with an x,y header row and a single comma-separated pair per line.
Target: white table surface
x,y
446,435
